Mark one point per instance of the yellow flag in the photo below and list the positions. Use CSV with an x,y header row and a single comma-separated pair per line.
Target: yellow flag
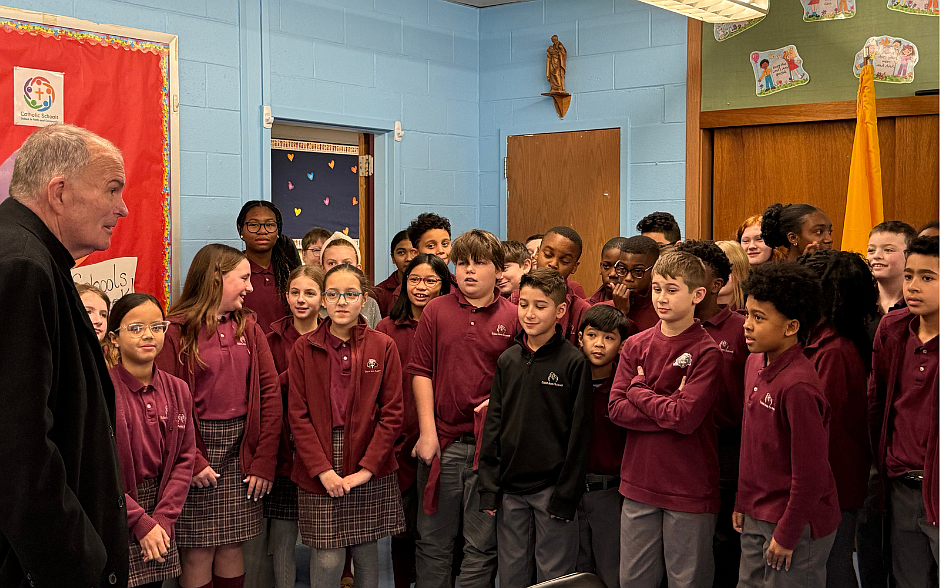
x,y
864,207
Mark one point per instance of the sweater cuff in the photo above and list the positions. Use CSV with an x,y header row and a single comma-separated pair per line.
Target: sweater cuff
x,y
489,500
787,535
144,525
562,508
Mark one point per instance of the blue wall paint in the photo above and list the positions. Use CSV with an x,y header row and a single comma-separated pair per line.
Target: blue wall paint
x,y
455,76
626,60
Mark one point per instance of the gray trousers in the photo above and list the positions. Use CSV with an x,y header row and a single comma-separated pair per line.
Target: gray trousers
x,y
552,554
913,539
840,568
599,529
326,566
459,499
807,565
654,541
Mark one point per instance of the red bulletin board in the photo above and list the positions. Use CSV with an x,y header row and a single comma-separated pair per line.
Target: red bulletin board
x,y
120,86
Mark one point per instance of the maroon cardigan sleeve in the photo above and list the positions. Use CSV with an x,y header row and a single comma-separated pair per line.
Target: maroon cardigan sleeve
x,y
264,460
309,449
169,361
391,412
180,473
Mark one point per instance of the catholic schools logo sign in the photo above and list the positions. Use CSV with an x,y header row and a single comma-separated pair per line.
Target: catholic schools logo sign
x,y
38,97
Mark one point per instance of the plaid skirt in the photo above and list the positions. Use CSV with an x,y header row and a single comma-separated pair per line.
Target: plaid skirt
x,y
145,572
281,503
224,514
368,513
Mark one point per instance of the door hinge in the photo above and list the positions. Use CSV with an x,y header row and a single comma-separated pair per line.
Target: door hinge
x,y
365,166
505,167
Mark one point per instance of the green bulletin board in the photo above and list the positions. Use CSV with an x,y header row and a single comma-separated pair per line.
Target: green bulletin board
x,y
827,49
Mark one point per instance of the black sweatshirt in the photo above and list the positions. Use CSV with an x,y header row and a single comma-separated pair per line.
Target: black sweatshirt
x,y
538,425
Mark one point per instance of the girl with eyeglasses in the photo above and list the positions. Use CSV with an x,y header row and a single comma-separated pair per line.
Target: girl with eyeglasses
x,y
345,411
272,257
155,438
304,297
218,348
425,277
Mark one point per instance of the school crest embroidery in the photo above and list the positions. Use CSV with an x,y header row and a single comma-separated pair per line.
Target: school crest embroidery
x,y
180,420
768,402
723,346
683,361
501,331
371,364
552,380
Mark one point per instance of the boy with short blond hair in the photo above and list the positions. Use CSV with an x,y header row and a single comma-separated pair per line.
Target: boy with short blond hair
x,y
518,263
603,331
532,458
457,342
664,395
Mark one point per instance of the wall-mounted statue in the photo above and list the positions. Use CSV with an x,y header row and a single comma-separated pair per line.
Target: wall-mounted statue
x,y
556,58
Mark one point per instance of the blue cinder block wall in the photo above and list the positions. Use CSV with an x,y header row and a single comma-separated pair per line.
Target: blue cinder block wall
x,y
453,75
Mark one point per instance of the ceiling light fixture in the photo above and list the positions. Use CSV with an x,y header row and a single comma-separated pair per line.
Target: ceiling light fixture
x,y
715,11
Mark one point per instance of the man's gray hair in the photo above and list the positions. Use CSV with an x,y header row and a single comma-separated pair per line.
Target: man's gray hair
x,y
53,151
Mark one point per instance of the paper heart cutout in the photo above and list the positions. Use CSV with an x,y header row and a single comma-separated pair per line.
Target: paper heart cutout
x,y
310,176
290,156
354,168
296,212
332,163
355,201
290,186
346,231
326,201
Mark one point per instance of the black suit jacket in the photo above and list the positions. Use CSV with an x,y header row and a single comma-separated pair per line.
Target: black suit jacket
x,y
63,522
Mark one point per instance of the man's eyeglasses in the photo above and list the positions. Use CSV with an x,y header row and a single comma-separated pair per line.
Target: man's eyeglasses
x,y
637,272
333,296
137,329
429,281
255,227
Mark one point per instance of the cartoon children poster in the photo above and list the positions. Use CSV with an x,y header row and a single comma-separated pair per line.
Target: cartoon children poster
x,y
818,10
921,7
893,59
777,70
726,30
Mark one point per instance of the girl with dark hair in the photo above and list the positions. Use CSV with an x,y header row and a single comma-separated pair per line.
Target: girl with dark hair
x,y
219,349
155,438
272,257
304,297
345,412
800,228
841,352
425,277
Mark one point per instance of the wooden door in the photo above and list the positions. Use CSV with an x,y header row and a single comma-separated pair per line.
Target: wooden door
x,y
570,179
755,166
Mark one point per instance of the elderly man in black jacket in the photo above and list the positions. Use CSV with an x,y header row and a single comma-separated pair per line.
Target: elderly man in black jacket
x,y
63,522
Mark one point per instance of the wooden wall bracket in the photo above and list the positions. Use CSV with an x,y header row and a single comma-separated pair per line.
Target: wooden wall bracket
x,y
562,102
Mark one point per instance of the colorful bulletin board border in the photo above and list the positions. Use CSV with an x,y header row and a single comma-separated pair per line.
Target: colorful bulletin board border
x,y
314,147
164,50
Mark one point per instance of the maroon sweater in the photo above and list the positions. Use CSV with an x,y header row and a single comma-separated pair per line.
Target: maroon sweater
x,y
607,439
402,333
258,453
281,340
386,293
179,456
845,383
671,459
785,476
895,337
373,410
642,313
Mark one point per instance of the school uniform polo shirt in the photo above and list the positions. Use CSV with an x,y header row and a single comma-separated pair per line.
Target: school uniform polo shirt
x,y
456,346
607,439
264,299
784,475
727,330
221,387
340,354
146,411
910,427
642,313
